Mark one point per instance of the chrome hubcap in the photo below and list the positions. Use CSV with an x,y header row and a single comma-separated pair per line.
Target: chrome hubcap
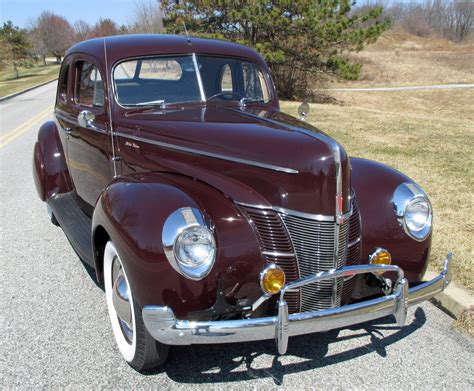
x,y
121,300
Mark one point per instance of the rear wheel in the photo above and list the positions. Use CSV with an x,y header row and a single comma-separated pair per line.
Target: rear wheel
x,y
137,346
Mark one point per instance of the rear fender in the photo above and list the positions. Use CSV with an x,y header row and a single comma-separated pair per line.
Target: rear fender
x,y
50,171
374,184
133,209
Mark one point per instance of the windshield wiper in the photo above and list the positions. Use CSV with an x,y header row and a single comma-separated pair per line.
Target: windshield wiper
x,y
150,103
250,100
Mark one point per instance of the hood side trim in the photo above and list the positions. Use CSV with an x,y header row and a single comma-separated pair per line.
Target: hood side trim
x,y
208,154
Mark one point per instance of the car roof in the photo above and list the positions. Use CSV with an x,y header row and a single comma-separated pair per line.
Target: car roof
x,y
138,45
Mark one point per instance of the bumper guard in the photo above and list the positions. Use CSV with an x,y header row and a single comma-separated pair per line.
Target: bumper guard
x,y
165,328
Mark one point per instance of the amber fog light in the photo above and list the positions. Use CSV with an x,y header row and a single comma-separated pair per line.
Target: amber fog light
x,y
380,257
272,279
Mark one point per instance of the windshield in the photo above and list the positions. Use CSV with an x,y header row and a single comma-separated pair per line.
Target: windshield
x,y
174,79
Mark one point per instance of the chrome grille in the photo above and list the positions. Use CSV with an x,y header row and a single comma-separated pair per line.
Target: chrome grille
x,y
308,248
314,242
273,238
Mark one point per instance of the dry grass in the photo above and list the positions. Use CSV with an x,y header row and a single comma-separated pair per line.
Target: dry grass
x,y
398,58
466,321
428,135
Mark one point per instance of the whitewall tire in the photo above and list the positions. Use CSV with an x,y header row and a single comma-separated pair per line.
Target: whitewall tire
x,y
136,345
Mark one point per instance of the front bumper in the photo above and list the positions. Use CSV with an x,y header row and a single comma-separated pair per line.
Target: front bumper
x,y
165,328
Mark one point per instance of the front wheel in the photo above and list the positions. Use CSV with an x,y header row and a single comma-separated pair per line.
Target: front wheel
x,y
137,346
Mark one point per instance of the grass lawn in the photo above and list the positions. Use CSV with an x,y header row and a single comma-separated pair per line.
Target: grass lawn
x,y
28,78
428,135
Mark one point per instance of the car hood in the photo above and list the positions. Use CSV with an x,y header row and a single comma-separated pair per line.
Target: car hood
x,y
256,157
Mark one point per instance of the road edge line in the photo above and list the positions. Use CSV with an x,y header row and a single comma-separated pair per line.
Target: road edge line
x,y
3,98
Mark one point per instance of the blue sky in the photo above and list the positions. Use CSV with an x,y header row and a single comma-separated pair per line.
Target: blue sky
x,y
21,12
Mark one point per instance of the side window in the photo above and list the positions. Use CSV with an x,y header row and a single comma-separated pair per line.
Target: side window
x,y
254,82
89,88
63,79
226,79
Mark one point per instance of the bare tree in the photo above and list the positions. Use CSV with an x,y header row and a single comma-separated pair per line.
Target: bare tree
x,y
104,28
82,30
451,19
52,34
148,17
463,15
38,46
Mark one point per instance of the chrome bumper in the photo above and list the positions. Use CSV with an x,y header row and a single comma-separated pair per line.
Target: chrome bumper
x,y
165,328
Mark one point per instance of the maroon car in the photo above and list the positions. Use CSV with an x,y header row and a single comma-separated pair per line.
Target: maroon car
x,y
210,215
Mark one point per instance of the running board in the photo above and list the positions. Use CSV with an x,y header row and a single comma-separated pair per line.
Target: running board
x,y
75,223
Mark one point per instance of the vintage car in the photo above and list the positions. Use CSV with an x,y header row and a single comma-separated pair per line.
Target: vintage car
x,y
211,216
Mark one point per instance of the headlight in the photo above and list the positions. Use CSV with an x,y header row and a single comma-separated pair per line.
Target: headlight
x,y
189,244
413,210
195,247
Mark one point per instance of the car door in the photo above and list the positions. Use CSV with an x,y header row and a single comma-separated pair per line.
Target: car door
x,y
89,140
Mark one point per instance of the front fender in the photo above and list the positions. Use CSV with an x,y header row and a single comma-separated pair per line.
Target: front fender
x,y
133,209
50,171
374,184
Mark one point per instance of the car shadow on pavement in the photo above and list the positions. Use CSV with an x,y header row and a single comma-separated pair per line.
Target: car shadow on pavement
x,y
220,363
91,272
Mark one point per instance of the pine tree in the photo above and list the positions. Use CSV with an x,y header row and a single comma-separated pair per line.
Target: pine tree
x,y
296,38
15,46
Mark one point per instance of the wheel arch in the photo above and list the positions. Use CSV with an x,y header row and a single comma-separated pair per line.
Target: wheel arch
x,y
131,212
50,172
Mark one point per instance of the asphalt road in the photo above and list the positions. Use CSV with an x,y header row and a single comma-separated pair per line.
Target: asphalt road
x,y
55,330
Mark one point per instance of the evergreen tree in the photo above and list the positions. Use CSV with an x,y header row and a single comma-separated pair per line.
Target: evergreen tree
x,y
296,38
15,46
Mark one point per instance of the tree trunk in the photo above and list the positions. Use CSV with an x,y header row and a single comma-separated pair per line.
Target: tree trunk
x,y
44,60
58,59
15,70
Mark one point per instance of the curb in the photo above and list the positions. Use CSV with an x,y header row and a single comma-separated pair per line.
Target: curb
x,y
2,98
454,300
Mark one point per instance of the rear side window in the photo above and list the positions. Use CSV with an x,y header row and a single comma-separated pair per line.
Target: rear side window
x,y
226,79
63,78
254,82
90,88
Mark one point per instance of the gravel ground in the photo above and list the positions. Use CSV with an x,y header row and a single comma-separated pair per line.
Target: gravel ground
x,y
55,328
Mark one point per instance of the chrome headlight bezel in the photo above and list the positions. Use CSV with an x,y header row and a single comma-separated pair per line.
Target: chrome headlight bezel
x,y
406,195
182,222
